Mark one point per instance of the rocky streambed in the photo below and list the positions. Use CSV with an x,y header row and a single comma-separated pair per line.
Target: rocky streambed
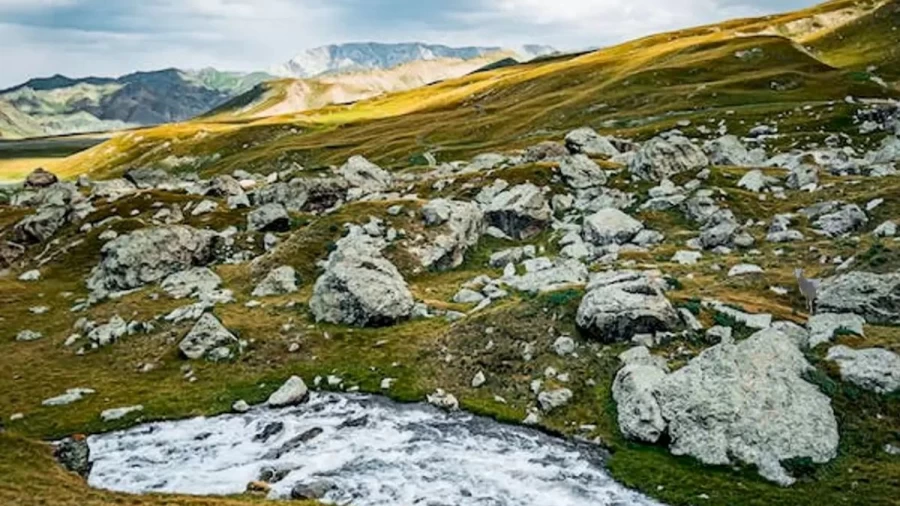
x,y
357,449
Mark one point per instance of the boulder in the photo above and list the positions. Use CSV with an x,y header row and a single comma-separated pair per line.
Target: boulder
x,y
193,282
42,225
823,326
581,172
40,178
148,178
587,141
291,393
280,281
554,275
623,305
462,226
545,151
269,218
209,339
756,181
874,369
359,286
802,175
112,189
875,297
665,156
520,212
224,186
365,175
610,226
550,400
728,150
74,455
149,255
639,415
848,218
304,194
748,402
108,333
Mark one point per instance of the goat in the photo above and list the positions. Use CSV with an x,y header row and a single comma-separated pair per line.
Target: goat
x,y
808,287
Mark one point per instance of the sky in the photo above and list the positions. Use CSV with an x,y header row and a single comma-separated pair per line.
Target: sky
x,y
114,37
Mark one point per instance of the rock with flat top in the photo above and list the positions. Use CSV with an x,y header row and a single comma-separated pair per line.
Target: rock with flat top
x,y
824,326
875,297
874,369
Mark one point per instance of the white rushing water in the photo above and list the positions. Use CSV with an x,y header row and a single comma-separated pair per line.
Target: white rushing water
x,y
390,454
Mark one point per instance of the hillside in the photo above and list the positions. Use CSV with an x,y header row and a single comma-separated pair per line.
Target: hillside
x,y
61,105
661,273
288,96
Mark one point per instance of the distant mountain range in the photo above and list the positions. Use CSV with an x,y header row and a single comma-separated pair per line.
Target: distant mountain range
x,y
60,105
356,57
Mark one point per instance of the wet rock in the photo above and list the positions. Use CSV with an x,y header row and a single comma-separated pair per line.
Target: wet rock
x,y
581,172
269,431
40,178
748,402
443,400
149,255
875,297
873,369
269,218
587,141
280,281
291,393
610,226
74,455
209,339
520,212
311,491
665,156
824,326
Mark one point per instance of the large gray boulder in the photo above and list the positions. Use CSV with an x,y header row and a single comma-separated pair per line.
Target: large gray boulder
x,y
149,255
581,172
193,282
280,281
269,218
304,194
848,218
873,369
365,175
587,141
665,156
875,297
728,150
359,286
610,226
209,339
461,225
42,225
639,415
620,305
520,212
748,402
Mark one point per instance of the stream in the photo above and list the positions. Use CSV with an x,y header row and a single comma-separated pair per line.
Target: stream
x,y
368,450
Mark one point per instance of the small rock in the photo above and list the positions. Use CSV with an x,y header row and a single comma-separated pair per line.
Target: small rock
x,y
240,406
478,380
291,393
111,415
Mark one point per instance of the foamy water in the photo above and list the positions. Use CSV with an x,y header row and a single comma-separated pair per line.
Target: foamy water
x,y
392,455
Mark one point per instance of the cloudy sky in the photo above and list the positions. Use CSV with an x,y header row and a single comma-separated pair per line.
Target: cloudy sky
x,y
113,37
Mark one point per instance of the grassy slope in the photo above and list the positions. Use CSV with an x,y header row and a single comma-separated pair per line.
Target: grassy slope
x,y
870,41
635,89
